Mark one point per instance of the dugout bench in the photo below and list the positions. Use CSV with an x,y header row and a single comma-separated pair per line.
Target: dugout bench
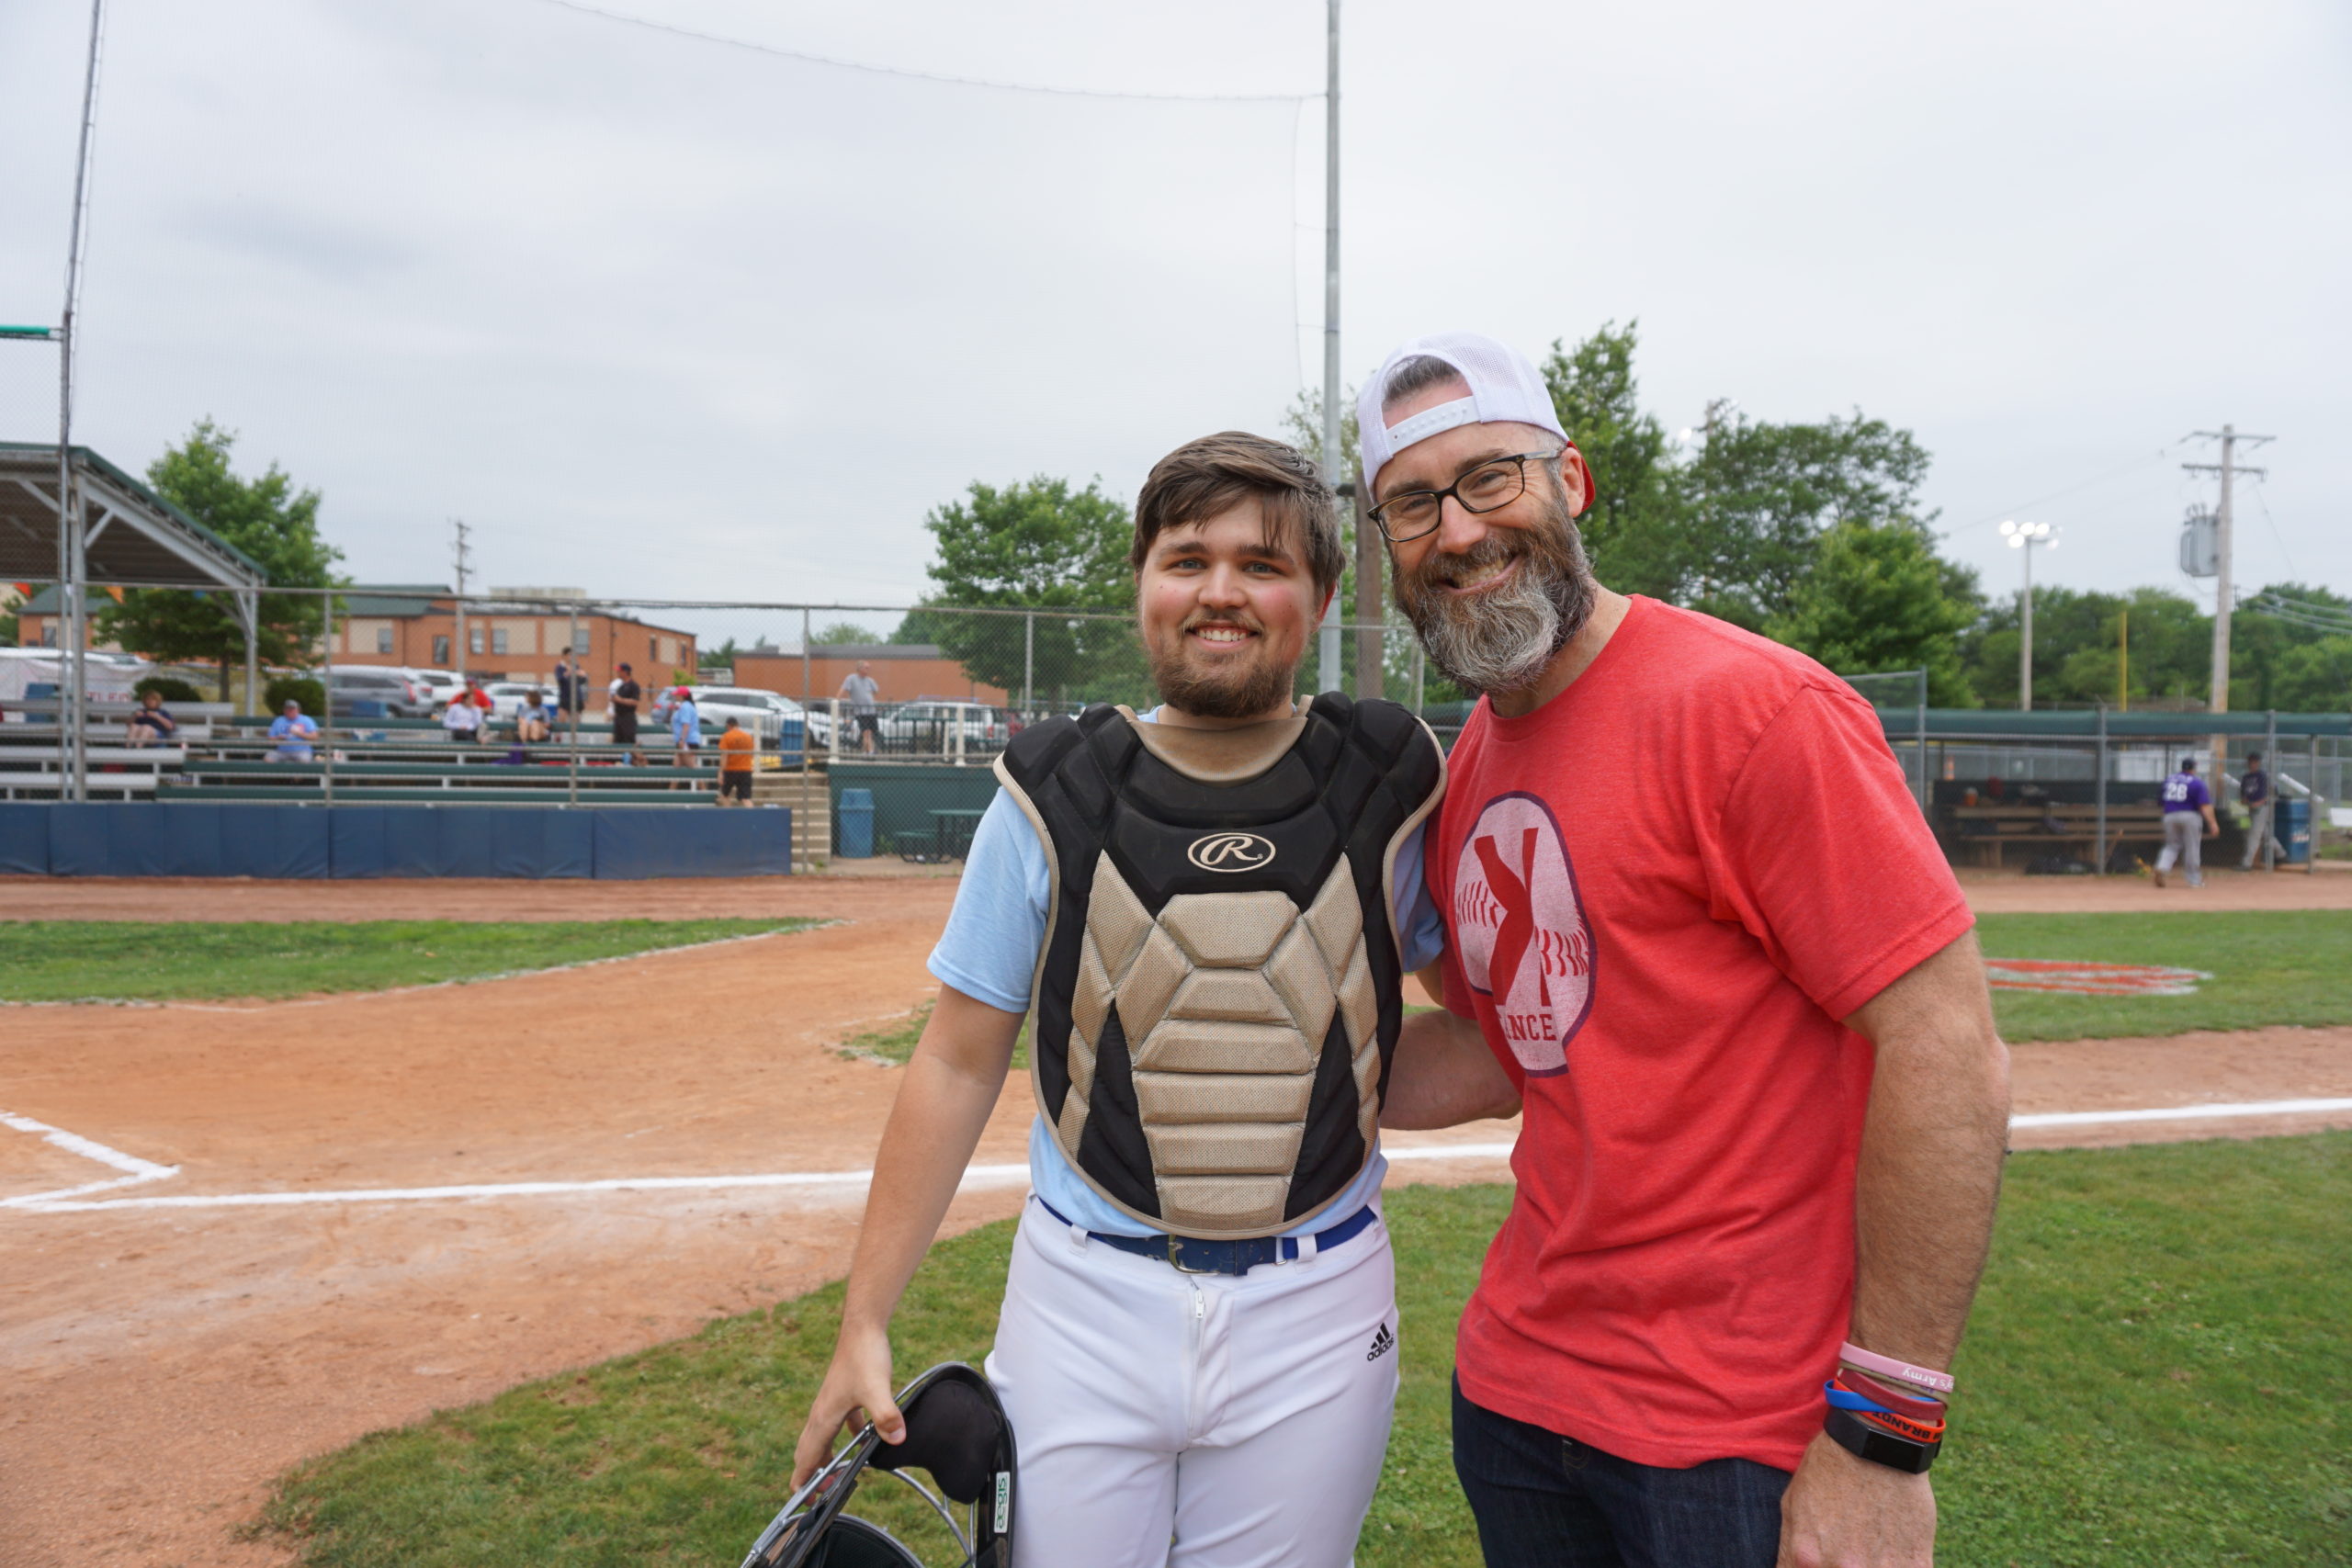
x,y
1983,835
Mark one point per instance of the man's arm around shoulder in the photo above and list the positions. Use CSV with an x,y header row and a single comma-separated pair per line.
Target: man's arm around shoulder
x,y
1442,1073
1925,1187
950,1088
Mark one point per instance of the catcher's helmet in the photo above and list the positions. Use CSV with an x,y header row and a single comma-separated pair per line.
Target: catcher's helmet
x,y
956,1430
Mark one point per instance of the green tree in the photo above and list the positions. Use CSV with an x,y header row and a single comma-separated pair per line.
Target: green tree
x,y
1878,599
2276,660
716,658
2078,640
266,518
1758,496
1039,545
850,632
1634,530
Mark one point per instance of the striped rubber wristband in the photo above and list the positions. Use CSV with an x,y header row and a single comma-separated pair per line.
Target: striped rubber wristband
x,y
1887,1366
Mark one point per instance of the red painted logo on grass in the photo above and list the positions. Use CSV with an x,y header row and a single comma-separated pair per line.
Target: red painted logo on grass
x,y
2066,976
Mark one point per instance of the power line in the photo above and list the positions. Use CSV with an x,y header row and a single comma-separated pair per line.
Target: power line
x,y
2014,509
2262,500
811,59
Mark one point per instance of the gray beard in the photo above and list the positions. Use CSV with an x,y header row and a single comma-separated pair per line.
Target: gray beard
x,y
1502,642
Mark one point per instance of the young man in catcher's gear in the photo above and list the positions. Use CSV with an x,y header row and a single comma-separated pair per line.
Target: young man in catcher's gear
x,y
1207,910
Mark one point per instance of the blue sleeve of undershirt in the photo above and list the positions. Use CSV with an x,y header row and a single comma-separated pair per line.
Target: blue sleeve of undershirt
x,y
1420,933
988,950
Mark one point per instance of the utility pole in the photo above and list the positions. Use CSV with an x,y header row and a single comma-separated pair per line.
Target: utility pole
x,y
463,552
2228,468
1328,644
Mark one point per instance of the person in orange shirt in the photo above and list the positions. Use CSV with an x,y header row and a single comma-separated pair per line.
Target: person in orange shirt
x,y
737,747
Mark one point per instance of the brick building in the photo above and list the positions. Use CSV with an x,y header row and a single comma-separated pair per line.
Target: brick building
x,y
517,637
903,672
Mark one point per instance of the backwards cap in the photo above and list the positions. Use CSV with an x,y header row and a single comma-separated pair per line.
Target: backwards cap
x,y
1503,388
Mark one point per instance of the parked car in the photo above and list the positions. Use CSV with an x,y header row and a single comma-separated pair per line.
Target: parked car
x,y
771,715
507,697
437,686
933,724
368,692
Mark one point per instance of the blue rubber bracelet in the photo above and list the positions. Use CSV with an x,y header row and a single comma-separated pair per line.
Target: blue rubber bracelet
x,y
1846,1399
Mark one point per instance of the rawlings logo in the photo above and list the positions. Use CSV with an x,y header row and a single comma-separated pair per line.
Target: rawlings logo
x,y
1231,851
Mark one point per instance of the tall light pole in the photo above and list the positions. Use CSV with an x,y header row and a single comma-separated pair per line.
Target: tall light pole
x,y
73,647
2024,537
1328,643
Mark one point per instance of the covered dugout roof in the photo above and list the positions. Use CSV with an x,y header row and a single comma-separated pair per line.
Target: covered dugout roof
x,y
2082,724
134,534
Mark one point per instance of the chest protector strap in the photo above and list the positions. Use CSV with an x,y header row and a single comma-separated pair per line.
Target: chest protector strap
x,y
1218,999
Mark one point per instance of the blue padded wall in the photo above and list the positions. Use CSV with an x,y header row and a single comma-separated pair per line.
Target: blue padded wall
x,y
24,838
635,842
199,838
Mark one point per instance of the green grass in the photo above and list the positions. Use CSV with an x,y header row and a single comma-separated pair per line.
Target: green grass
x,y
2154,1377
2268,966
50,961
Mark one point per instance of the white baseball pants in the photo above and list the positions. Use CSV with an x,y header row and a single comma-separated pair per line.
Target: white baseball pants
x,y
1193,1420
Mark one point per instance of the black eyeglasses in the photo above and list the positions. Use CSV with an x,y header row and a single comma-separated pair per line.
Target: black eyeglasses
x,y
1489,487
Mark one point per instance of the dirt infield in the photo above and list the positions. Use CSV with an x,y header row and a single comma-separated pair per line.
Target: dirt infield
x,y
1998,893
160,1364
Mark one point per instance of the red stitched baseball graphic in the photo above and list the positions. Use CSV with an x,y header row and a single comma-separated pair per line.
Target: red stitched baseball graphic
x,y
1522,929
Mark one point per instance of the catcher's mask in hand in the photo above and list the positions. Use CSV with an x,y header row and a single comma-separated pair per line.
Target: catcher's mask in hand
x,y
955,1429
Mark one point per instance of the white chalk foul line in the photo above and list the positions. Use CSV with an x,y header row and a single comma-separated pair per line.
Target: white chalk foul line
x,y
2181,1113
136,1170
976,1178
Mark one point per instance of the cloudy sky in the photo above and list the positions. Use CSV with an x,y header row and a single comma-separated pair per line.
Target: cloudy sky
x,y
673,317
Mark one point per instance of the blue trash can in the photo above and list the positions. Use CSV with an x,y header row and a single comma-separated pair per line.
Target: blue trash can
x,y
854,825
2294,830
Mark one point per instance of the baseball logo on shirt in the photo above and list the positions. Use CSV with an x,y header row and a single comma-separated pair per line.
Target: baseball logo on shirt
x,y
1520,929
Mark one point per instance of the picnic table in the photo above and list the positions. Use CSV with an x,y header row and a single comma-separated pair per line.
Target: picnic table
x,y
950,837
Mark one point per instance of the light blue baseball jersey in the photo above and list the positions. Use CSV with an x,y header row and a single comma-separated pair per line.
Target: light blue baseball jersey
x,y
990,949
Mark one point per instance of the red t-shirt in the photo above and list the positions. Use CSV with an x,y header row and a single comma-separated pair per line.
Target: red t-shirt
x,y
1663,889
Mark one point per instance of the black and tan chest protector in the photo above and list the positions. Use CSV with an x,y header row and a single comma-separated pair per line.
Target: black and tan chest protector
x,y
1217,997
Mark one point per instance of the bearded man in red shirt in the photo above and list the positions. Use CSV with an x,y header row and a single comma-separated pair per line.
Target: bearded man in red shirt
x,y
1698,934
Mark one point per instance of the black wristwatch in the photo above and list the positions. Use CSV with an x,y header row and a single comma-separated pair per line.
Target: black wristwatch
x,y
1867,1440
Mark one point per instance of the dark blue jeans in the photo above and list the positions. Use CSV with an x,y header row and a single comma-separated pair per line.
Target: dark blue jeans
x,y
1546,1501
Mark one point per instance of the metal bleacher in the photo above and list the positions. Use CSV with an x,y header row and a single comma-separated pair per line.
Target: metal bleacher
x,y
410,761
374,761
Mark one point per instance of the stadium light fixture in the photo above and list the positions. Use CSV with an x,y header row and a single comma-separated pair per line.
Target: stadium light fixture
x,y
2023,538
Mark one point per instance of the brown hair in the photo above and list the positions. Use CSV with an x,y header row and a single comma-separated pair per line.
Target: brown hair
x,y
1204,478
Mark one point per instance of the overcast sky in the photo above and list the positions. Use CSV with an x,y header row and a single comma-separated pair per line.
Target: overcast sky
x,y
669,317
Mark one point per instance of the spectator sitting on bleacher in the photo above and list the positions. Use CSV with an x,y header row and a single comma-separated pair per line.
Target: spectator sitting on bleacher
x,y
535,720
293,731
150,724
685,726
461,718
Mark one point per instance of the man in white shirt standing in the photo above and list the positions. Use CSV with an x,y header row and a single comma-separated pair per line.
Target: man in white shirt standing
x,y
1209,909
859,689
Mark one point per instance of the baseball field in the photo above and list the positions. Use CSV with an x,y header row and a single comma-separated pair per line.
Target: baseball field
x,y
341,1232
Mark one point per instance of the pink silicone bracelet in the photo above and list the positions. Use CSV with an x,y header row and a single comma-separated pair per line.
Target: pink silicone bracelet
x,y
1888,1366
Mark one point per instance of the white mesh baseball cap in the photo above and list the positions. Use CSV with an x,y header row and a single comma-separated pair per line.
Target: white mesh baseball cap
x,y
1503,387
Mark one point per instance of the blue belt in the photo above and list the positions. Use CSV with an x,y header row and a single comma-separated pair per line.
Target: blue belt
x,y
1191,1255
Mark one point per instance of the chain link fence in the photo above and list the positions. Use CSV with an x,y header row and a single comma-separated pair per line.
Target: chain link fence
x,y
878,725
